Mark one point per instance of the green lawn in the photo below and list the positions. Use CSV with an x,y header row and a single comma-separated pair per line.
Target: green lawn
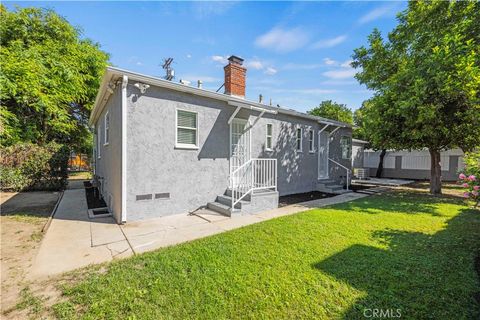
x,y
397,251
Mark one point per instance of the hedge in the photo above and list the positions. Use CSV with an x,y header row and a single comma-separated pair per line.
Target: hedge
x,y
27,166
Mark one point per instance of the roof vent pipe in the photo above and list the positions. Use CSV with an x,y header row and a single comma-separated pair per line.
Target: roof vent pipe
x,y
199,84
260,98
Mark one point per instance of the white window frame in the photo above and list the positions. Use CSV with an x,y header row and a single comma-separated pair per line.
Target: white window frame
x,y
106,125
268,136
183,145
311,141
297,138
98,142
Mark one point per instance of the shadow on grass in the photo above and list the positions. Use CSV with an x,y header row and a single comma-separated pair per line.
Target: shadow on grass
x,y
424,276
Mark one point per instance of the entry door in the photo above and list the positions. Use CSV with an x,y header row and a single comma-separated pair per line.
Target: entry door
x,y
323,141
239,143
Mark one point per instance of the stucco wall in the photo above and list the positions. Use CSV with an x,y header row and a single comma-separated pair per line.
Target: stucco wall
x,y
109,165
195,177
192,177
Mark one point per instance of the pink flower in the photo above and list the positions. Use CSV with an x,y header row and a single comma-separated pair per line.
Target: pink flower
x,y
471,178
476,188
462,176
465,185
466,194
475,193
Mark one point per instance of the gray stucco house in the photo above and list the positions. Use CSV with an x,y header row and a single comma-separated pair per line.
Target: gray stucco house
x,y
165,148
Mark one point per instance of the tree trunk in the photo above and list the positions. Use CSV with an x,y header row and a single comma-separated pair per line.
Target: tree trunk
x,y
435,172
380,164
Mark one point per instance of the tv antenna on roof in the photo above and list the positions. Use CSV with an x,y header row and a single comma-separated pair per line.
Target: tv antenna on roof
x,y
170,73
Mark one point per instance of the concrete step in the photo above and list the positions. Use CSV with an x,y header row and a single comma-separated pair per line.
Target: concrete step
x,y
220,207
227,200
228,193
325,181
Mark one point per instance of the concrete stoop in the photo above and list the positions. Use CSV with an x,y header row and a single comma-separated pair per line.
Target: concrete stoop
x,y
252,203
331,186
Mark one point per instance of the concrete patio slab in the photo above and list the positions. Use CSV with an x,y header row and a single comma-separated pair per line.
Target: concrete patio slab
x,y
383,182
74,241
67,245
105,231
210,215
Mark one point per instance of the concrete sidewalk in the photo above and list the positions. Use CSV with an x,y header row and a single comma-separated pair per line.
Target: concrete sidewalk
x,y
74,241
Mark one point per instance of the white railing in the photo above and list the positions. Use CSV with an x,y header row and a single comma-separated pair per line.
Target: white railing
x,y
255,174
347,169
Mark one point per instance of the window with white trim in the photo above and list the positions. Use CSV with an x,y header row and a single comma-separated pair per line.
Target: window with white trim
x,y
346,145
107,128
311,141
187,129
268,140
299,139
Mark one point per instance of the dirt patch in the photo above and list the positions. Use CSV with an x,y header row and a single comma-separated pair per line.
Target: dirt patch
x,y
302,197
23,216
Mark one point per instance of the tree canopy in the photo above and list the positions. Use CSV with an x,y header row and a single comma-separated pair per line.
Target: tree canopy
x,y
426,79
332,110
49,78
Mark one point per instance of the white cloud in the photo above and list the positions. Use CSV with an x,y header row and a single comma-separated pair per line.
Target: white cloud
x,y
270,71
347,64
220,59
329,62
329,43
254,64
282,40
340,73
378,13
189,56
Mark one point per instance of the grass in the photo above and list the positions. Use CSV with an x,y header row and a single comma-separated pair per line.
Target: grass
x,y
28,301
402,251
27,217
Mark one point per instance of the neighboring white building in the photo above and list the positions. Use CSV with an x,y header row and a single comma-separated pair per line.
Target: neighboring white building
x,y
414,164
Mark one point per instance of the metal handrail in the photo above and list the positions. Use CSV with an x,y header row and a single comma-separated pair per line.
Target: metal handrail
x,y
341,165
258,173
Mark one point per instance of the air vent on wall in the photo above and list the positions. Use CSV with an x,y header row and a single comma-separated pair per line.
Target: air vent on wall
x,y
164,195
144,197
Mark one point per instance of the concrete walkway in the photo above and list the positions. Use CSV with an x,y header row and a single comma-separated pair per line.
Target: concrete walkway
x,y
74,241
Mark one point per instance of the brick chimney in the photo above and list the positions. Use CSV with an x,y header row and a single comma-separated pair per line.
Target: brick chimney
x,y
235,75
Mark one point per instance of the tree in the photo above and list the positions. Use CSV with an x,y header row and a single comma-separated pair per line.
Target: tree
x,y
371,127
332,110
49,78
426,78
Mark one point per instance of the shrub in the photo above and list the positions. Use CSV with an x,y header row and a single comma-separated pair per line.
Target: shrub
x,y
27,166
470,177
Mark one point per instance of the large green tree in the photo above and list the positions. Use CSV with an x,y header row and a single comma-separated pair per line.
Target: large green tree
x,y
49,78
332,110
426,78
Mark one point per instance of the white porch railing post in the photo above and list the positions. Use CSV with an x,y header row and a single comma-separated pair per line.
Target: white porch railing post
x,y
262,175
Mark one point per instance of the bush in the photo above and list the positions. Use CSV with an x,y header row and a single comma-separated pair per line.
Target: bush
x,y
28,166
470,177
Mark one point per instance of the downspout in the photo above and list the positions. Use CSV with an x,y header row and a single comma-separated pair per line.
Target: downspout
x,y
124,149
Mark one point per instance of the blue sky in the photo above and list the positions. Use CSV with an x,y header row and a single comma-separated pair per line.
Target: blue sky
x,y
297,53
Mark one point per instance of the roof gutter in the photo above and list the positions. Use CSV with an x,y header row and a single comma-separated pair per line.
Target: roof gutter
x,y
112,72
